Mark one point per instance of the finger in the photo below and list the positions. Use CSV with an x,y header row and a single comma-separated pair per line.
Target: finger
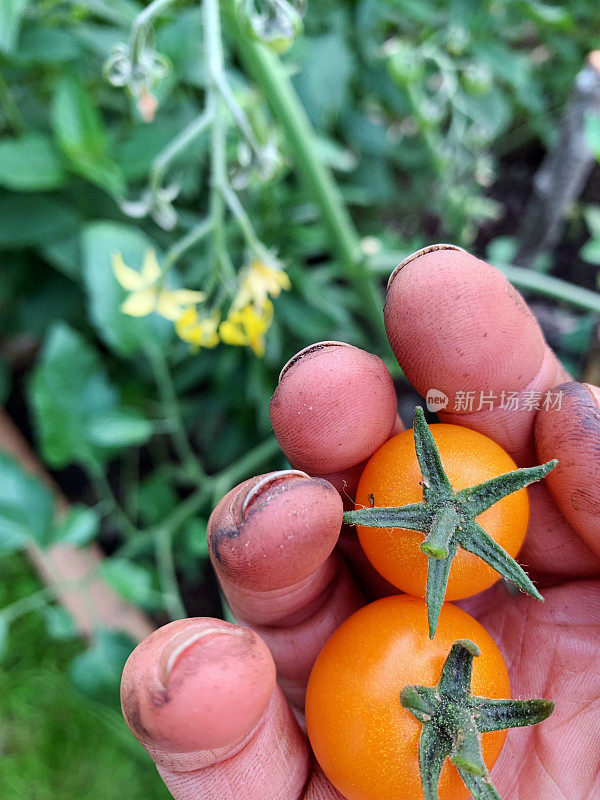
x,y
457,325
553,551
201,697
333,407
572,435
271,541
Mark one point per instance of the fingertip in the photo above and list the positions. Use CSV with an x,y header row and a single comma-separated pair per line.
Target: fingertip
x,y
456,324
334,405
571,434
431,248
275,530
196,685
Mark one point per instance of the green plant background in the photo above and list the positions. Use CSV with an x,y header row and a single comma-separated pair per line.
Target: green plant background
x,y
431,115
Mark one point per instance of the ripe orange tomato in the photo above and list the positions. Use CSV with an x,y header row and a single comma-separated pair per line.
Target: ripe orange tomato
x,y
392,478
365,741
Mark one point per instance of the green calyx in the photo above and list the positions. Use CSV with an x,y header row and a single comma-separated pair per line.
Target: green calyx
x,y
453,721
447,518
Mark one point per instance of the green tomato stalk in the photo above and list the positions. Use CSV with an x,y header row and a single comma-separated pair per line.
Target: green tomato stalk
x,y
453,720
447,518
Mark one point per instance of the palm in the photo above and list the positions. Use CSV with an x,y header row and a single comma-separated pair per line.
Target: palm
x,y
272,542
554,651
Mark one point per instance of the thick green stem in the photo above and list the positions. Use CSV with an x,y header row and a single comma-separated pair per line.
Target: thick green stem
x,y
301,140
218,157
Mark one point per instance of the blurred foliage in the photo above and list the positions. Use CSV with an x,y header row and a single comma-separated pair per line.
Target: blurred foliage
x,y
413,103
49,729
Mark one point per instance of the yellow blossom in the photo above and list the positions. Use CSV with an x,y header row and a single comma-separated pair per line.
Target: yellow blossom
x,y
198,331
260,280
145,292
247,326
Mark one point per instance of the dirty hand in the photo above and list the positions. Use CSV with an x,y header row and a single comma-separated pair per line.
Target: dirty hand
x,y
201,695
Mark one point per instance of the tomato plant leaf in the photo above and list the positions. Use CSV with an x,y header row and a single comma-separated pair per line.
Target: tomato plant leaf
x,y
80,132
131,581
97,671
11,18
30,164
79,417
79,526
26,506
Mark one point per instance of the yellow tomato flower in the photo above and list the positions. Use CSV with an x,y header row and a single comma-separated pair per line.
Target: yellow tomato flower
x,y
198,331
145,293
260,280
247,326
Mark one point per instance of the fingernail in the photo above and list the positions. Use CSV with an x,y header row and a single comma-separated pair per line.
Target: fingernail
x,y
429,249
310,349
595,393
266,483
177,646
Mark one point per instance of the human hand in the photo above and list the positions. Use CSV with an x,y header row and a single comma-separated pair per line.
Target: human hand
x,y
201,694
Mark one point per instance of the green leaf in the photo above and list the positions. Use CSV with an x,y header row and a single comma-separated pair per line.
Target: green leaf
x,y
68,389
120,427
49,45
97,671
591,251
11,17
78,527
501,250
323,80
30,164
60,624
31,219
131,581
123,334
592,219
548,16
80,132
64,255
155,499
193,538
182,42
26,506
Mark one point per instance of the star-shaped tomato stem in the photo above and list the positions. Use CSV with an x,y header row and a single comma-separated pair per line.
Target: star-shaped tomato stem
x,y
453,720
447,518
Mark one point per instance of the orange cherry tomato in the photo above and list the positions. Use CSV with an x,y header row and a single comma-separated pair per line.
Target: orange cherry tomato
x,y
365,741
392,478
